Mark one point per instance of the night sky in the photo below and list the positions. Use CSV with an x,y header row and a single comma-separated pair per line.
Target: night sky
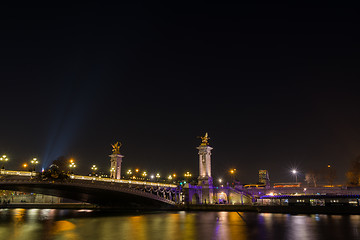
x,y
275,86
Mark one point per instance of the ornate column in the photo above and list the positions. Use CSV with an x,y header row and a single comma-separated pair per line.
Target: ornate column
x,y
116,160
205,162
205,180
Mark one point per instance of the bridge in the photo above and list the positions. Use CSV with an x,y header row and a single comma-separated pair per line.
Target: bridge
x,y
119,193
132,194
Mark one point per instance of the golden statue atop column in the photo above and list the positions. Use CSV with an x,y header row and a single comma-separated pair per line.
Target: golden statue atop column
x,y
116,147
204,140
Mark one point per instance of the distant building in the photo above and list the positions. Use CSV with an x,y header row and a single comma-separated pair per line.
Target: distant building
x,y
264,177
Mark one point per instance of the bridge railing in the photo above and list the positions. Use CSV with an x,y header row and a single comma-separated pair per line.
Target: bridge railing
x,y
18,173
89,178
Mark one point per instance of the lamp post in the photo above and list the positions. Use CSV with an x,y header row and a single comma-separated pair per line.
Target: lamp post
x,y
295,173
187,175
25,165
3,159
232,173
93,169
129,172
112,172
72,166
33,162
157,177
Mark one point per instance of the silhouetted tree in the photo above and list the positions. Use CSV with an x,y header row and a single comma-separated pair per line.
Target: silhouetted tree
x,y
353,175
62,163
53,173
312,177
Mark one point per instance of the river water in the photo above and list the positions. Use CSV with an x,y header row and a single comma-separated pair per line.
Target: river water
x,y
85,224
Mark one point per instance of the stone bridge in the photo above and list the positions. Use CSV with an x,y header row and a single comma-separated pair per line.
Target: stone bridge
x,y
124,194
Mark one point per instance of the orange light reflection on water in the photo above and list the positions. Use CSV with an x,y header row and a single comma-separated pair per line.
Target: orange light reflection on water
x,y
65,229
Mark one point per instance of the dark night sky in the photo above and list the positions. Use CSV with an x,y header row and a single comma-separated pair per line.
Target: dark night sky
x,y
276,86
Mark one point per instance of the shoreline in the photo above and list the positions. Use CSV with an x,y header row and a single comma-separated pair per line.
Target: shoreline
x,y
49,206
343,210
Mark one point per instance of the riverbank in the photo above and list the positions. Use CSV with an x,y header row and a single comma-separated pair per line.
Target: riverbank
x,y
50,206
202,207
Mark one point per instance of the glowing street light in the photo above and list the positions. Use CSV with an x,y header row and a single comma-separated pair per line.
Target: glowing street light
x,y
295,173
232,173
129,172
94,169
187,175
220,180
144,174
25,165
152,176
72,165
170,177
34,161
3,159
112,172
157,177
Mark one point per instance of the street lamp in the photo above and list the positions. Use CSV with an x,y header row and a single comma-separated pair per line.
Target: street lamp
x,y
295,173
112,172
232,173
94,168
72,166
129,172
157,176
144,174
3,159
25,165
187,175
34,161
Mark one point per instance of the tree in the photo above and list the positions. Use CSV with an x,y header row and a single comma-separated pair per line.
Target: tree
x,y
62,163
312,177
353,175
53,173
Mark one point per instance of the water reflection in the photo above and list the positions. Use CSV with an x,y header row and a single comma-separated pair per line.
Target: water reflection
x,y
64,228
70,224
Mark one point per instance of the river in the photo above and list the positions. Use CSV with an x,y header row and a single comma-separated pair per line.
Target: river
x,y
41,224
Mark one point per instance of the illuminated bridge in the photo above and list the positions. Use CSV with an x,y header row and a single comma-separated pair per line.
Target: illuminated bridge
x,y
118,193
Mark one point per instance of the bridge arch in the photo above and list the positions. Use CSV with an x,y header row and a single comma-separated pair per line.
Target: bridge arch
x,y
112,195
